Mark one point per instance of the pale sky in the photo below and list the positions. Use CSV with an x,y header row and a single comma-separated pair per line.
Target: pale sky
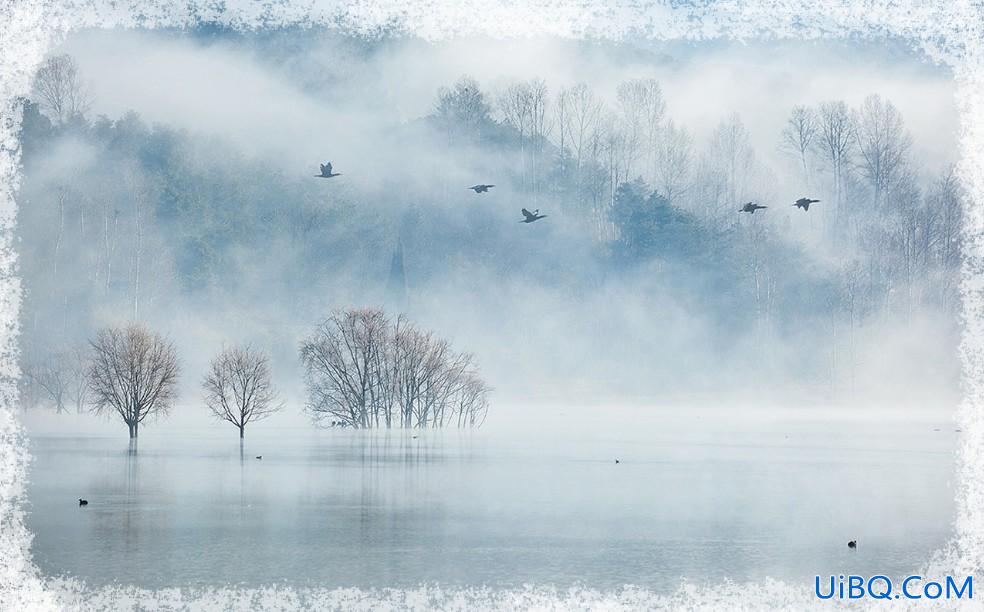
x,y
223,87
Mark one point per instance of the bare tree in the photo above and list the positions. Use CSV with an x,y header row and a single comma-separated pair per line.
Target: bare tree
x,y
461,110
28,391
619,146
238,387
523,107
945,196
514,105
673,160
798,136
77,365
731,155
582,116
461,113
561,118
133,372
835,140
62,197
539,128
642,109
883,143
110,234
59,91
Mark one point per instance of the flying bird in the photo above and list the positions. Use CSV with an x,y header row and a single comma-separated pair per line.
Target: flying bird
x,y
750,207
852,544
83,502
481,188
804,203
532,216
259,456
326,172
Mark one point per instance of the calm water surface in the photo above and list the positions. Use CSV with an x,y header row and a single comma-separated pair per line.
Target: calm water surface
x,y
342,508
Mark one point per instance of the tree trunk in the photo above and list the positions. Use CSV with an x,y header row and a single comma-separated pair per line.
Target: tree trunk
x,y
133,429
242,430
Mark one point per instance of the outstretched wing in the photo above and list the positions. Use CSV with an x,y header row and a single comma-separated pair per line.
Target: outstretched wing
x,y
327,167
529,216
322,168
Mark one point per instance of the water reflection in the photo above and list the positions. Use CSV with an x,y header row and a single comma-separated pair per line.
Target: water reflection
x,y
389,509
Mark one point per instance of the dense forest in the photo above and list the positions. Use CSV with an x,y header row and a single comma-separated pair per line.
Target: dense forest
x,y
644,271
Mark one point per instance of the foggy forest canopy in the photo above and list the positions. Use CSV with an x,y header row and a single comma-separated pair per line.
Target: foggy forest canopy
x,y
644,279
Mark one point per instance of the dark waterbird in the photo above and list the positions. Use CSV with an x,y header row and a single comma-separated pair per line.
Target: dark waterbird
x,y
804,203
532,216
83,502
852,544
259,456
617,461
326,172
481,188
749,207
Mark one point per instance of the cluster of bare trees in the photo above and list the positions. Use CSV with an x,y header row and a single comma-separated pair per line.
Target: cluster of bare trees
x,y
870,142
524,108
892,228
600,147
908,233
365,370
572,143
580,148
57,378
857,160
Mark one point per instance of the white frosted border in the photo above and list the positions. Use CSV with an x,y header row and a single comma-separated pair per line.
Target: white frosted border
x,y
948,31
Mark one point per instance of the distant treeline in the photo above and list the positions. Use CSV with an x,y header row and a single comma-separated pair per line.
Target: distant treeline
x,y
118,218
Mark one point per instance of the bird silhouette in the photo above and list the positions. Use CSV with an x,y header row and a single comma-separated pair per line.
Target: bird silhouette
x,y
259,456
530,217
481,188
750,207
326,171
617,461
804,203
852,544
83,502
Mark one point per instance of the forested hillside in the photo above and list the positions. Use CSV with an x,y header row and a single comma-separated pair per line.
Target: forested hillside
x,y
644,276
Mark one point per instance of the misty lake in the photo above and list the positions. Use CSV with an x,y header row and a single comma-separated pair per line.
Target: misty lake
x,y
691,499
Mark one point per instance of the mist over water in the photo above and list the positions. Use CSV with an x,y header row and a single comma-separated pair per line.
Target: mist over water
x,y
700,498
